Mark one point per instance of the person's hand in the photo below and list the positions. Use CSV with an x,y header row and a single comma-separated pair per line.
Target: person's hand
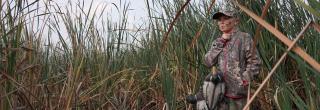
x,y
245,83
226,36
221,42
214,70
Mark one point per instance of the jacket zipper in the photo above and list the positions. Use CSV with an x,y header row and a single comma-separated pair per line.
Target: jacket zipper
x,y
225,58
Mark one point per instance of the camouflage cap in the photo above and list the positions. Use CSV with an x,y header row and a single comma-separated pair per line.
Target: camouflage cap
x,y
225,12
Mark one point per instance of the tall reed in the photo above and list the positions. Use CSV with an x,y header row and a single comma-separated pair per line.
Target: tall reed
x,y
95,64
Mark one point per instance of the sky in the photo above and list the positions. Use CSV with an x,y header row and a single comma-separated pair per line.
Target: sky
x,y
137,8
137,14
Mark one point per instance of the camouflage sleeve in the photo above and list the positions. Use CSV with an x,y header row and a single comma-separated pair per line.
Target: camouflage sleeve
x,y
211,57
253,61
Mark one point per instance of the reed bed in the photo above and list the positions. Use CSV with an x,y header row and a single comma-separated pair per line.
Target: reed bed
x,y
100,64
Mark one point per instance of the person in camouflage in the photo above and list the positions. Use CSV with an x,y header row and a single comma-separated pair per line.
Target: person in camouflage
x,y
236,58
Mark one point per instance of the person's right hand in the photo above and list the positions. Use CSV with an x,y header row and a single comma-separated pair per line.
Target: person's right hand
x,y
221,42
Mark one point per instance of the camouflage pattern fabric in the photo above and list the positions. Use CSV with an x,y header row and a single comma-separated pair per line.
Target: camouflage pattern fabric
x,y
237,60
226,12
232,104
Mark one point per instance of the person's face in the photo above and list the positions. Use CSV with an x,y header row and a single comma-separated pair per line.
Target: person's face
x,y
227,23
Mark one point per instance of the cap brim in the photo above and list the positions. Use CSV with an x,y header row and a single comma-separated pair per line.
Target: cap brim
x,y
218,15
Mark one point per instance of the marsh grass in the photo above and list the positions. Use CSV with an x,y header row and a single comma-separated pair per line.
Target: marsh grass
x,y
96,65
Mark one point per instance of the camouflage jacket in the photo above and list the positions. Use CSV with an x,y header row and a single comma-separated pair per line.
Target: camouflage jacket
x,y
237,60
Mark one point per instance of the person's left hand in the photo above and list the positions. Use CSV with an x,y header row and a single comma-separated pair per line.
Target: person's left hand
x,y
245,83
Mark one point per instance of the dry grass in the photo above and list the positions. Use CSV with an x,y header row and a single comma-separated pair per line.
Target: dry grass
x,y
93,67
